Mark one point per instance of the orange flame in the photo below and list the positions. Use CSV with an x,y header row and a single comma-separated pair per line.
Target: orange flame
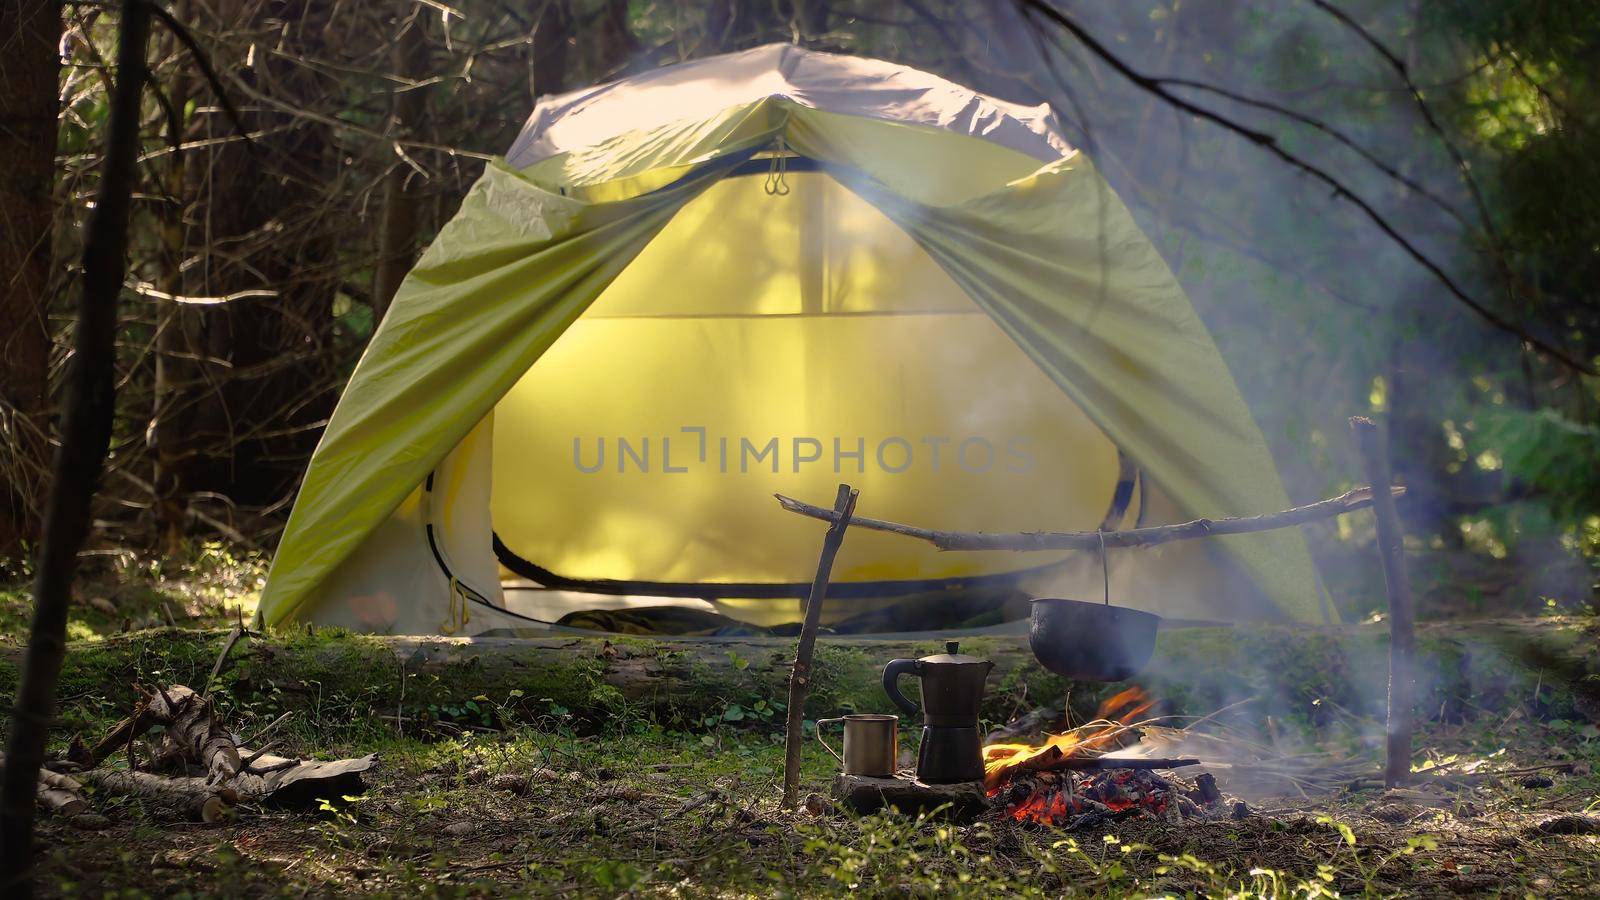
x,y
1113,717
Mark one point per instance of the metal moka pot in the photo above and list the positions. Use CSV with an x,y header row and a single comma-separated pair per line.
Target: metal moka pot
x,y
952,693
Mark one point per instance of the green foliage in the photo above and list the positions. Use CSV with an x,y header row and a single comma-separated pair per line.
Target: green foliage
x,y
1549,453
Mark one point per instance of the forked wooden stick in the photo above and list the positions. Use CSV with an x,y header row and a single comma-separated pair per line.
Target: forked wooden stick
x,y
1349,501
1402,612
800,678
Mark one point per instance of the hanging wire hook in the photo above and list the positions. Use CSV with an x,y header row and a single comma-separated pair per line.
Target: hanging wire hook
x,y
1105,569
777,184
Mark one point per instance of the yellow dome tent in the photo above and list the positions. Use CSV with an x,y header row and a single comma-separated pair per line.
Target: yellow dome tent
x,y
766,272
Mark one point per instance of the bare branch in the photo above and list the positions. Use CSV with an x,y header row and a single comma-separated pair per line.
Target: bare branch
x,y
1160,89
1025,541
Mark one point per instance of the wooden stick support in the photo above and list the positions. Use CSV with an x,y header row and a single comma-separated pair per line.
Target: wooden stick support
x,y
1402,610
1352,500
844,506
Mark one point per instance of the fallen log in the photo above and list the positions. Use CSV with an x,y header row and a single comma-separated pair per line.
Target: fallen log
x,y
191,798
1461,666
1022,541
865,795
299,783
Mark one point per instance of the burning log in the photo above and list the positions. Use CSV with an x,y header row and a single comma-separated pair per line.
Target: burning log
x,y
1114,719
1350,501
1049,798
1068,781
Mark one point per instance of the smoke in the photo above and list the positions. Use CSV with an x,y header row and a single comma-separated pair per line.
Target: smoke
x,y
1319,314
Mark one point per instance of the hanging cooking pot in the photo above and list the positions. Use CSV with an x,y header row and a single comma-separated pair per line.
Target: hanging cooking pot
x,y
1083,641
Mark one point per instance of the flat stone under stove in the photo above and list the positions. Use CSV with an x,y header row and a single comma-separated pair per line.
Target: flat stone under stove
x,y
866,795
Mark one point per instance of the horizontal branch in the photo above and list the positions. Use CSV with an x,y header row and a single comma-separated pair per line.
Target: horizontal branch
x,y
1350,501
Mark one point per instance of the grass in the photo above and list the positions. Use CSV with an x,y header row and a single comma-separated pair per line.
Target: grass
x,y
616,799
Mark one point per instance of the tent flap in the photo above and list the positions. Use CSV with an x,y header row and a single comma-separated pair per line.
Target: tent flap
x,y
508,274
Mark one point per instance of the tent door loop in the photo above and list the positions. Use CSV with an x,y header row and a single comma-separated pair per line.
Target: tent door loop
x,y
460,594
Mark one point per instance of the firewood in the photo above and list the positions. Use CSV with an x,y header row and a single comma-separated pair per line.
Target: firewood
x,y
61,803
192,725
192,731
1029,727
121,735
185,797
59,794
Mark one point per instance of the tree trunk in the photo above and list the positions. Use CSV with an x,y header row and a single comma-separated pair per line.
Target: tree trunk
x,y
167,436
397,229
30,70
547,70
614,40
269,226
85,437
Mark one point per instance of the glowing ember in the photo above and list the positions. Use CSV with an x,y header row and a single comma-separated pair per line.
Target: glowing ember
x,y
1058,798
1054,783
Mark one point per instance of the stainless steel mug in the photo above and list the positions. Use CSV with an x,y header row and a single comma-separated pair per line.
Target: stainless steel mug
x,y
871,744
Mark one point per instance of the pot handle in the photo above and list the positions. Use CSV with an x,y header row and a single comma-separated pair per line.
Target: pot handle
x,y
891,682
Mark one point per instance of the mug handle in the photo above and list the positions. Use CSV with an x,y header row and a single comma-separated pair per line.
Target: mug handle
x,y
820,723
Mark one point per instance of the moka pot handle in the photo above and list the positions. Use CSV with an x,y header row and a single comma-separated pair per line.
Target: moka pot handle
x,y
891,683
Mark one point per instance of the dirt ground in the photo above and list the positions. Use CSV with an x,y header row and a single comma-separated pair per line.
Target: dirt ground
x,y
543,811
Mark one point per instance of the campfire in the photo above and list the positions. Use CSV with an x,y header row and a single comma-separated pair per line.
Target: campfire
x,y
1075,778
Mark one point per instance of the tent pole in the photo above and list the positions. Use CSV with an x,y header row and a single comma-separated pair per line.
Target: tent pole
x,y
800,676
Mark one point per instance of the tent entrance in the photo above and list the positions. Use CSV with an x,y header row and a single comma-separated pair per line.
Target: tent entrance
x,y
781,335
